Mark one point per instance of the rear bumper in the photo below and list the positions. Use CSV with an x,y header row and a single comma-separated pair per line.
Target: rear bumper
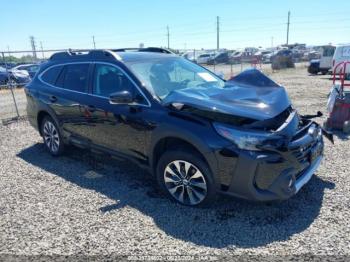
x,y
270,175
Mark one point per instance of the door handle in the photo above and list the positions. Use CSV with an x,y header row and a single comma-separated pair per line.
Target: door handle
x,y
91,109
53,99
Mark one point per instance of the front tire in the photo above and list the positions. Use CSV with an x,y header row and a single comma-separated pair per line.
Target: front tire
x,y
184,177
52,137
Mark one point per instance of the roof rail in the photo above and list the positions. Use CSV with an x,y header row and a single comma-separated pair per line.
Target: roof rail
x,y
83,54
102,53
145,49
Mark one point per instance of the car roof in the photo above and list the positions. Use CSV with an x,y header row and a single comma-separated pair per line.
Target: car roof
x,y
142,56
122,55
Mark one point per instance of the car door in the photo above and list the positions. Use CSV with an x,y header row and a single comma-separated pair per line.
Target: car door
x,y
67,95
117,127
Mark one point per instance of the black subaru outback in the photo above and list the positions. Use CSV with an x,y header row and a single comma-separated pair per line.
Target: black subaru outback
x,y
198,134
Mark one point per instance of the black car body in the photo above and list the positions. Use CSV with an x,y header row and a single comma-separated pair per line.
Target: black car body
x,y
241,137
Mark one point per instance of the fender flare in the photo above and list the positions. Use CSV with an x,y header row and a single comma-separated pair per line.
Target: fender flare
x,y
173,131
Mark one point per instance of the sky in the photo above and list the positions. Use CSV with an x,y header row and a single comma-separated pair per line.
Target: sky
x,y
192,24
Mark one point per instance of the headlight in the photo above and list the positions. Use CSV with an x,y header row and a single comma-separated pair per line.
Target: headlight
x,y
248,140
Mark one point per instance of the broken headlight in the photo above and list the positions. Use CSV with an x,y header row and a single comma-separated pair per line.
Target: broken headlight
x,y
249,140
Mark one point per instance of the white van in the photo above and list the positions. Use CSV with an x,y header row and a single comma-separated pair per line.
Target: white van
x,y
326,63
341,54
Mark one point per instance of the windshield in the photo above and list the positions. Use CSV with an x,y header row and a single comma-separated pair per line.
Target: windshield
x,y
165,75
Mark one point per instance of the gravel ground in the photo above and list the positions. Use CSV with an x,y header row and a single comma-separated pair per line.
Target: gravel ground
x,y
79,204
7,106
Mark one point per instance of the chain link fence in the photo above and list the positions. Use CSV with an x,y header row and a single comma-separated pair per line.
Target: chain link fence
x,y
17,68
227,63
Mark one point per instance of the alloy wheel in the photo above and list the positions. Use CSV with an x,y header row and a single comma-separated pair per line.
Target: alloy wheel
x,y
185,182
51,137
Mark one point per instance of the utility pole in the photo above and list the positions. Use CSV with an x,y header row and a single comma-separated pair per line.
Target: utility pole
x,y
218,33
32,43
288,23
42,49
8,51
93,41
168,35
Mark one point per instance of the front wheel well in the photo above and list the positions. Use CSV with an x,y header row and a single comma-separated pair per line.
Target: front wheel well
x,y
169,143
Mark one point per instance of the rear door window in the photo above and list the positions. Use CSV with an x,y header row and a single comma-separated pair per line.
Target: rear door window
x,y
74,77
50,76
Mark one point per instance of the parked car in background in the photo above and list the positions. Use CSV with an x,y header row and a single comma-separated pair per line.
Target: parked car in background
x,y
260,54
8,65
13,76
282,59
297,55
204,58
30,68
325,63
196,133
235,57
3,76
241,57
341,54
192,55
266,58
313,55
219,58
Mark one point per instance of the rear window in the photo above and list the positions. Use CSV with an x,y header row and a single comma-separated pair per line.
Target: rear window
x,y
50,76
346,51
74,77
328,51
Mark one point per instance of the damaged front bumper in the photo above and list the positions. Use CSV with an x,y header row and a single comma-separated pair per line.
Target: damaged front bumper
x,y
272,173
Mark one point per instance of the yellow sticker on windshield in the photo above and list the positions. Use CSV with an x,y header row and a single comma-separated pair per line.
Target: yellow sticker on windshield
x,y
207,77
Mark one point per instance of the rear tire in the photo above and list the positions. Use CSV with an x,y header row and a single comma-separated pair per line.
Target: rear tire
x,y
52,137
185,178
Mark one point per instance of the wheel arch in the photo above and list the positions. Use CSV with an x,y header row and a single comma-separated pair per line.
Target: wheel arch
x,y
42,113
172,142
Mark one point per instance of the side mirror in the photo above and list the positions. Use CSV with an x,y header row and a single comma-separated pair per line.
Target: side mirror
x,y
121,97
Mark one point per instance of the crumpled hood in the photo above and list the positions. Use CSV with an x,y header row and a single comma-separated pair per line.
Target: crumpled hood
x,y
250,94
